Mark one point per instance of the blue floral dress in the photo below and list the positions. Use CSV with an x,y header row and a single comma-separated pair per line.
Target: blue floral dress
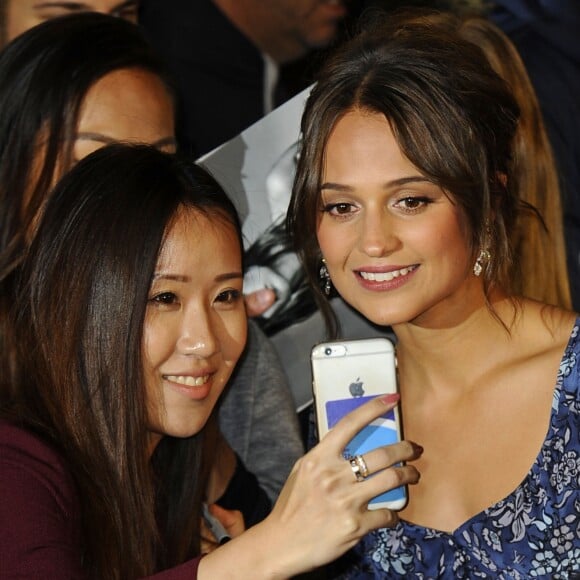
x,y
532,533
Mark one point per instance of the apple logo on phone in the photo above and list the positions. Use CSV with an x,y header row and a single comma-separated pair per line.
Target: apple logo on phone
x,y
356,388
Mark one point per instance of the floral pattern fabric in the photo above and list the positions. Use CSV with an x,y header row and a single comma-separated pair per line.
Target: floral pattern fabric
x,y
533,533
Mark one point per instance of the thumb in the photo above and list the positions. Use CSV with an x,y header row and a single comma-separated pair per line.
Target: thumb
x,y
231,520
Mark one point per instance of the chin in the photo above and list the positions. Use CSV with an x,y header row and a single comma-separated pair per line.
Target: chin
x,y
184,428
383,316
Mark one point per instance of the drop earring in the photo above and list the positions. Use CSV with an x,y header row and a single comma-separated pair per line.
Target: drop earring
x,y
484,256
482,260
325,278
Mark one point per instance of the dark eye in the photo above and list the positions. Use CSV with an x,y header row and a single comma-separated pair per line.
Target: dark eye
x,y
165,298
229,296
338,208
413,203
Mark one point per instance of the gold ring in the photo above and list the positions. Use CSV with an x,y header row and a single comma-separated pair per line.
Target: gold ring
x,y
360,461
359,467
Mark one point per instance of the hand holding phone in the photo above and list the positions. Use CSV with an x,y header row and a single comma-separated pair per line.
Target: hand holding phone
x,y
347,374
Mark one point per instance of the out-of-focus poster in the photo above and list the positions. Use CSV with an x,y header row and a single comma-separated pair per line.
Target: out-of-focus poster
x,y
256,169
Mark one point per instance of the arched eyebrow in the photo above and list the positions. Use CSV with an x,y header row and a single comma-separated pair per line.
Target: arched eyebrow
x,y
179,278
387,185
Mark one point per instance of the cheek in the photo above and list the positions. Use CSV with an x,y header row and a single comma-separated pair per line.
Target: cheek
x,y
451,235
233,336
448,248
157,343
335,242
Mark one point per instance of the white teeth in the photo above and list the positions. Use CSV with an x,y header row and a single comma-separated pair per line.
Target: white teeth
x,y
187,380
386,276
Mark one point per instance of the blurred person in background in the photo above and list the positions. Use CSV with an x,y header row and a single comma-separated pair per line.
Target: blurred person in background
x,y
235,60
16,16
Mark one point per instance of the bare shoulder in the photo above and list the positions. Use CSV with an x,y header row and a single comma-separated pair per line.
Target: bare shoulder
x,y
542,328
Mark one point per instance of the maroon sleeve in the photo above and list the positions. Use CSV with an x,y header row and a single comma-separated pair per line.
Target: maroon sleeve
x,y
40,527
187,571
39,511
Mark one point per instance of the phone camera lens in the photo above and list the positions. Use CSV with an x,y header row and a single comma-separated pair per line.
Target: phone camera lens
x,y
327,351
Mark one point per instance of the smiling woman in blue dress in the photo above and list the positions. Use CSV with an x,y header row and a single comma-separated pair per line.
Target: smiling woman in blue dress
x,y
403,200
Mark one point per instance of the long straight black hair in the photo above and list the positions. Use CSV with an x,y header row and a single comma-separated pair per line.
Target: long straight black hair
x,y
83,293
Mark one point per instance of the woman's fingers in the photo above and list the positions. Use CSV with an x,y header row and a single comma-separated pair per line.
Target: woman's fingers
x,y
322,510
383,457
353,422
375,519
231,520
385,480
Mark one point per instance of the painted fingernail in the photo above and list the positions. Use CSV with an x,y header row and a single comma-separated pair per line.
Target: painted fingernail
x,y
417,449
390,398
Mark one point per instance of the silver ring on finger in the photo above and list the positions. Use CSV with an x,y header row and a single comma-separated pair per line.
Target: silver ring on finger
x,y
359,467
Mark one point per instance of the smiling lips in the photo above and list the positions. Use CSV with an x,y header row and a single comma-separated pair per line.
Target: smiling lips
x,y
386,276
187,380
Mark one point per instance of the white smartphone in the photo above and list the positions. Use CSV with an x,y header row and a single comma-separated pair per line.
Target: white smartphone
x,y
346,374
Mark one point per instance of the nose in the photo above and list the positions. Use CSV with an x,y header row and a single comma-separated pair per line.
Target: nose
x,y
377,233
197,336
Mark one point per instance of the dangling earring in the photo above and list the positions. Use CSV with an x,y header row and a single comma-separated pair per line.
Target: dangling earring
x,y
482,260
484,254
325,278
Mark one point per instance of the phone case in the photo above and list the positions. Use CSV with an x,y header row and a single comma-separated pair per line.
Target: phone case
x,y
346,374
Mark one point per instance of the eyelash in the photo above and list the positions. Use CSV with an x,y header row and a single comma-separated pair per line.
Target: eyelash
x,y
331,208
421,201
164,298
229,296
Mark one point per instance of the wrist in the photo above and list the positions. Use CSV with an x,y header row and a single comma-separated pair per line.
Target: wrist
x,y
254,554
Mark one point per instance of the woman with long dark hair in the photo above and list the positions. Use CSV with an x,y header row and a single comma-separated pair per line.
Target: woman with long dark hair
x,y
130,320
72,85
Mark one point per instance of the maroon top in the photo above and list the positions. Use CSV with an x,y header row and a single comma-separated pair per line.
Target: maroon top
x,y
40,527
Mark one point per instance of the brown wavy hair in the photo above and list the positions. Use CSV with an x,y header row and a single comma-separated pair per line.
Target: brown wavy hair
x,y
538,238
452,115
